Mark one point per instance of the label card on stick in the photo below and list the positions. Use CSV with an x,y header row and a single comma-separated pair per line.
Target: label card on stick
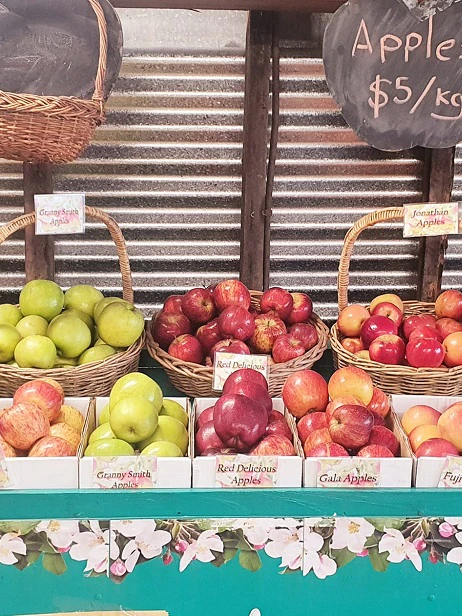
x,y
348,473
227,363
451,475
426,219
242,471
59,214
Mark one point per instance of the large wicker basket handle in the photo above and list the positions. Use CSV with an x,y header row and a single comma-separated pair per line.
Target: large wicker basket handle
x,y
116,234
343,280
98,94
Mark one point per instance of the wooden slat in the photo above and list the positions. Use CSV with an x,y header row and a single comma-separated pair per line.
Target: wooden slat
x,y
312,6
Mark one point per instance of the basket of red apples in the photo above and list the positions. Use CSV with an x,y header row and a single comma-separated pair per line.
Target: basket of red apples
x,y
407,347
185,335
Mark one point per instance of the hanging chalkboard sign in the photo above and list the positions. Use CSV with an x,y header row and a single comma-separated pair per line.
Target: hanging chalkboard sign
x,y
397,76
51,47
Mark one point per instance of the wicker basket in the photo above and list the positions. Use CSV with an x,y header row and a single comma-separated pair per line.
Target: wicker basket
x,y
53,129
196,380
392,379
96,378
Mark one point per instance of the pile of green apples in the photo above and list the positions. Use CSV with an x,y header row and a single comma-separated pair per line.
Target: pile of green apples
x,y
53,329
139,419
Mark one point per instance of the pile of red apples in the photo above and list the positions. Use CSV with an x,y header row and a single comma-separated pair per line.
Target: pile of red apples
x,y
382,333
243,421
344,417
434,434
194,326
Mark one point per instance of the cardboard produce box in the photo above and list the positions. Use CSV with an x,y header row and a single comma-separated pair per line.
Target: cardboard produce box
x,y
427,472
131,472
45,473
244,471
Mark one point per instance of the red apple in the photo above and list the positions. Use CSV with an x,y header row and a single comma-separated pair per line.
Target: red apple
x,y
231,293
227,346
187,348
351,381
309,423
387,349
205,416
286,347
378,419
42,394
453,349
51,447
245,375
417,320
340,401
389,310
305,391
425,353
23,424
352,345
419,415
253,390
450,424
317,437
375,327
238,348
236,322
172,303
385,437
375,451
388,298
363,355
436,448
380,403
302,309
420,434
327,450
208,335
449,305
168,326
274,445
219,451
267,329
239,421
198,306
447,326
351,425
6,450
206,437
279,300
425,331
351,319
306,333
277,424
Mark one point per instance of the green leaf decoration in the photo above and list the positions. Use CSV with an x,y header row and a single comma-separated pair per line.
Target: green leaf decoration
x,y
382,523
372,541
378,560
32,556
54,563
343,557
20,528
219,561
21,564
229,554
250,560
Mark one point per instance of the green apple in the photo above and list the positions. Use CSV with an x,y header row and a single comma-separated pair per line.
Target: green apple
x,y
136,384
9,315
174,409
100,306
35,352
70,335
96,354
9,338
32,326
41,297
104,415
82,297
168,429
65,362
162,449
109,447
120,325
133,419
83,316
102,431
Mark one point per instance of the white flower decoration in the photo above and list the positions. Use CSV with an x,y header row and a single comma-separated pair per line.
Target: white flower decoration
x,y
149,543
202,549
455,555
351,533
399,548
92,546
256,530
286,544
59,532
457,522
321,564
11,544
132,528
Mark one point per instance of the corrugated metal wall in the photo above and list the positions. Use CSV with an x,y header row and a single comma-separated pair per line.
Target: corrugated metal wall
x,y
452,275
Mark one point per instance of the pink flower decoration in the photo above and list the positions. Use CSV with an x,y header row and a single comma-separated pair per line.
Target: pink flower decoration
x,y
259,547
167,558
419,544
118,568
181,546
446,530
433,558
364,553
63,550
